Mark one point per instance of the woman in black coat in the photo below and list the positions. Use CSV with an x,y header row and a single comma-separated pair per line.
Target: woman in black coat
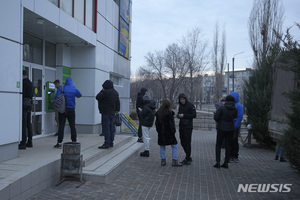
x,y
224,117
165,127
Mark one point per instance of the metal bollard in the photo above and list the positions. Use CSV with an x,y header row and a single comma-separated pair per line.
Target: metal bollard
x,y
249,127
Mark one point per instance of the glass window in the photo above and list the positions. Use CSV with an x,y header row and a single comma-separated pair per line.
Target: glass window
x,y
37,82
89,16
50,54
55,2
67,6
116,80
79,10
32,49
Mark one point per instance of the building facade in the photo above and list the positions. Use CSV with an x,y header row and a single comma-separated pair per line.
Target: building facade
x,y
208,85
88,41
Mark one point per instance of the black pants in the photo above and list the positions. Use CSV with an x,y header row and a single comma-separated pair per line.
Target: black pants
x,y
70,115
221,135
186,140
235,144
26,127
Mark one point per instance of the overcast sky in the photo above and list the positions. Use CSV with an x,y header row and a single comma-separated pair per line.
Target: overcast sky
x,y
159,23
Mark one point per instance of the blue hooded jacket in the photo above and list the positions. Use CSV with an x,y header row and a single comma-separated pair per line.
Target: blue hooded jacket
x,y
238,119
70,93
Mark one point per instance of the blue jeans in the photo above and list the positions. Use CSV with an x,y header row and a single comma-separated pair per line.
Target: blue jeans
x,y
174,152
108,129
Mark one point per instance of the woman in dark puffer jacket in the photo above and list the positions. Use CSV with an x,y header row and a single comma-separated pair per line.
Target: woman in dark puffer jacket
x,y
165,127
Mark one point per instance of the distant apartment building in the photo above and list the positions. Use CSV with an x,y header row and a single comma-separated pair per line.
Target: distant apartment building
x,y
240,76
87,40
208,84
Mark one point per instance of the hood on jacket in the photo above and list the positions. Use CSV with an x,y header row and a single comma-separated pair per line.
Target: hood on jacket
x,y
108,84
143,91
69,82
147,98
230,105
218,104
236,96
151,104
182,95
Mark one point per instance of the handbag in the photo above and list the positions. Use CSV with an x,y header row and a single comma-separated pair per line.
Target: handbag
x,y
117,120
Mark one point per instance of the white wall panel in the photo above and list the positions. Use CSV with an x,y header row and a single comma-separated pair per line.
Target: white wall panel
x,y
101,7
109,35
116,17
85,110
109,59
11,117
101,29
84,80
10,23
29,4
10,70
83,57
47,10
116,40
100,56
109,9
68,22
86,33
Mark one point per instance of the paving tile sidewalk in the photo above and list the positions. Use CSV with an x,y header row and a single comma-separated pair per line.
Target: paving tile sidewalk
x,y
144,178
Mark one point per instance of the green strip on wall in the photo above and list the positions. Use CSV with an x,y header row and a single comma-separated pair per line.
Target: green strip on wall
x,y
66,73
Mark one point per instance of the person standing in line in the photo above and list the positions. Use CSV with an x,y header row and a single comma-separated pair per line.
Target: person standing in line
x,y
58,87
26,113
186,113
147,120
140,104
224,117
108,105
70,92
279,153
237,123
165,127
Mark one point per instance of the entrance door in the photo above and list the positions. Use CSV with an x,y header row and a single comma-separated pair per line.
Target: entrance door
x,y
36,76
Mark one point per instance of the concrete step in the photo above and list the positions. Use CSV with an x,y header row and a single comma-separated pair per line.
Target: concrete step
x,y
92,153
106,167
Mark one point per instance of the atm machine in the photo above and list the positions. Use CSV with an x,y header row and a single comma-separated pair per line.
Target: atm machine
x,y
50,94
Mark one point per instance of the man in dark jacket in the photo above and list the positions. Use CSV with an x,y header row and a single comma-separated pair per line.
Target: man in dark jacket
x,y
26,113
147,120
70,92
186,113
109,105
224,117
140,104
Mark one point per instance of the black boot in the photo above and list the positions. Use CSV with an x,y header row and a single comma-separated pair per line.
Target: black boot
x,y
225,165
276,157
282,159
217,165
144,153
175,163
163,162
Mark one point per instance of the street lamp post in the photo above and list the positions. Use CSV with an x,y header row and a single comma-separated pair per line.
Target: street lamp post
x,y
233,69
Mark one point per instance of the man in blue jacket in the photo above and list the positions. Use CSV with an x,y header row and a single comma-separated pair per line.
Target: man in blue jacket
x,y
70,92
237,124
